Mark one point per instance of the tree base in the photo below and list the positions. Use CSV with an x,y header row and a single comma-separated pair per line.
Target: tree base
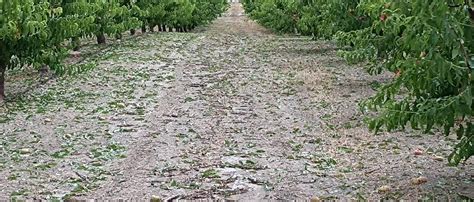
x,y
2,101
101,39
76,42
43,72
2,86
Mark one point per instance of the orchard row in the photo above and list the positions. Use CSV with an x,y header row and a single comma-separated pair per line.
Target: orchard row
x,y
427,44
34,32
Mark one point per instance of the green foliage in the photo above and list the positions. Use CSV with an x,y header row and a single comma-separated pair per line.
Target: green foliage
x,y
279,15
112,17
208,10
323,18
428,44
34,32
153,11
24,24
318,18
72,18
185,14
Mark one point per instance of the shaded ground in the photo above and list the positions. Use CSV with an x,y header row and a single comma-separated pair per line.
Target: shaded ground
x,y
230,112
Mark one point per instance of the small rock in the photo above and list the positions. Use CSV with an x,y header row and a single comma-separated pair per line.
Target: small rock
x,y
25,151
419,180
438,158
75,54
58,195
384,189
232,160
101,118
339,175
315,199
121,105
47,120
155,198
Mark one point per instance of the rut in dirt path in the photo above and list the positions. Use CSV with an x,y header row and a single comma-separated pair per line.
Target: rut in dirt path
x,y
230,112
199,118
248,118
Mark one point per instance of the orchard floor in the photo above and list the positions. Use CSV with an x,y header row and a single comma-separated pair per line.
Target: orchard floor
x,y
228,112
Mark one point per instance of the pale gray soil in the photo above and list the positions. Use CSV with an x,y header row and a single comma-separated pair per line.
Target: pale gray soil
x,y
228,112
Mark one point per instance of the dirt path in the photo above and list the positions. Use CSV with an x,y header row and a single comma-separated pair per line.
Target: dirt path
x,y
232,112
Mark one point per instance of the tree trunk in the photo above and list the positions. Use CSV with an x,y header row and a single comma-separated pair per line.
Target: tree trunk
x,y
160,28
152,27
76,42
2,82
170,29
143,29
185,29
163,28
101,38
43,71
471,13
132,32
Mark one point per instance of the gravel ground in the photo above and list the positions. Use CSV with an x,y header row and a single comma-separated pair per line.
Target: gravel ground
x,y
230,111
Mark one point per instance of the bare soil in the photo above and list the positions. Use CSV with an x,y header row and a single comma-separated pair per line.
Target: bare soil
x,y
228,112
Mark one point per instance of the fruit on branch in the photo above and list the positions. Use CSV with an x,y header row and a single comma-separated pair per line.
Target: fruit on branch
x,y
383,17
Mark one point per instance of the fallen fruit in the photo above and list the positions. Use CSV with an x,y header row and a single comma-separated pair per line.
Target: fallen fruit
x,y
383,189
422,54
155,199
383,17
419,180
315,199
418,152
398,73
